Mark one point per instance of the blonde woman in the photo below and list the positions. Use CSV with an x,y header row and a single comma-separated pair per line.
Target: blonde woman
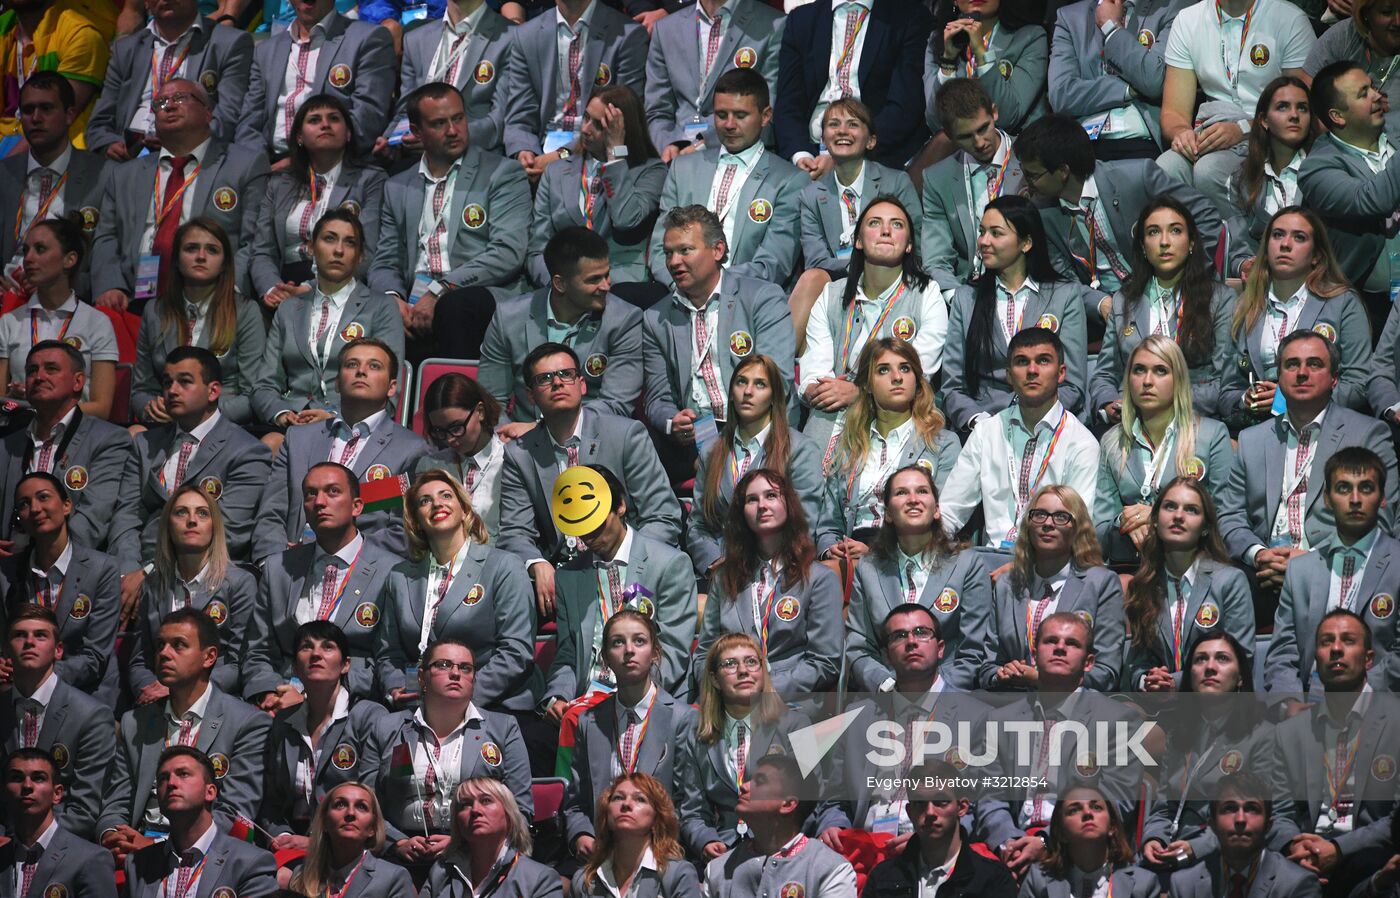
x,y
1161,436
490,848
637,849
1056,568
342,860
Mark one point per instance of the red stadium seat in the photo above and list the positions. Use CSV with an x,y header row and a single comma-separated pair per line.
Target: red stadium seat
x,y
548,793
428,371
126,325
545,649
548,828
405,391
121,396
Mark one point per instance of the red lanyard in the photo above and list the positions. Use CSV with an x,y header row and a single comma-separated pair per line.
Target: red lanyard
x,y
349,879
174,203
34,326
851,323
340,589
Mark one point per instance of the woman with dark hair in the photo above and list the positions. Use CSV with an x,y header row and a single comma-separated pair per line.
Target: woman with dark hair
x,y
752,437
1018,288
343,847
1185,586
200,306
638,851
1222,730
461,417
1294,284
490,846
1279,139
1087,851
612,187
53,252
321,176
1056,567
770,586
1172,291
915,561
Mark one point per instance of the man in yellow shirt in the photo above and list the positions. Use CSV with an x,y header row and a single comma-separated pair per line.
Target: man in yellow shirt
x,y
50,35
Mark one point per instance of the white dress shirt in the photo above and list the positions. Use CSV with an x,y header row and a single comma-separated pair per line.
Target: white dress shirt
x,y
309,604
292,75
823,344
1360,552
646,870
42,844
56,574
563,37
198,852
1279,314
641,710
143,121
434,595
33,191
163,169
334,303
345,432
485,491
428,222
41,697
446,762
309,759
601,672
842,10
198,435
55,437
699,393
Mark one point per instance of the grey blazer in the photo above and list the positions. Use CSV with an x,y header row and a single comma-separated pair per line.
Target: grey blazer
x,y
748,308
1128,327
127,199
1120,482
615,52
238,365
1219,602
525,878
232,733
1250,500
78,733
218,58
623,214
658,583
230,607
1342,319
958,592
804,631
289,378
489,606
1342,41
230,467
1015,82
1095,595
608,344
767,221
1354,202
481,72
678,880
823,214
1277,877
1383,378
1288,664
531,467
358,189
280,518
1058,305
356,64
948,236
381,878
82,192
71,865
667,752
349,753
1132,881
675,94
271,651
489,255
232,866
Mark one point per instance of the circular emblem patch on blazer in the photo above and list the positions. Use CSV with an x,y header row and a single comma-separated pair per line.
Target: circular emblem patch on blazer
x,y
904,328
224,892
212,487
947,600
1049,322
475,594
352,207
1208,615
485,71
61,755
82,607
760,210
1231,762
1147,38
1326,331
367,614
1383,768
474,216
1194,468
955,758
340,75
1259,55
344,757
1005,68
596,364
745,58
352,331
1087,765
217,611
491,754
76,478
741,343
788,608
1129,330
377,472
75,342
225,199
56,890
1382,605
604,75
90,217
792,890
926,464
209,80
644,606
1244,361
220,764
1087,617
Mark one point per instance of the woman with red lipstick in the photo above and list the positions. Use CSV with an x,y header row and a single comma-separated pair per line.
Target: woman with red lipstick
x,y
342,851
490,848
1010,63
1087,852
1279,140
637,851
1294,284
1185,587
1161,436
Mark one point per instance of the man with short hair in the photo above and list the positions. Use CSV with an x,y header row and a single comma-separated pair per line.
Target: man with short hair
x,y
42,856
755,194
338,578
577,309
364,437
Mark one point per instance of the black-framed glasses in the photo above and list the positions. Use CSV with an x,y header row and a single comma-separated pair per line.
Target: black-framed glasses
x,y
1040,516
546,378
452,431
443,665
750,663
918,634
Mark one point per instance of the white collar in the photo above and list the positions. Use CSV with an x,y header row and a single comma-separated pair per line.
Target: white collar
x,y
585,19
324,25
65,422
759,438
624,548
65,560
370,423
483,457
998,159
453,563
472,713
339,711
43,694
199,709
640,708
347,552
1362,545
468,24
451,170
201,845
1288,421
1089,192
198,153
745,157
1299,296
69,305
202,429
896,436
715,294
837,4
575,434
605,872
340,297
1293,165
58,166
1028,284
196,25
1051,418
45,837
857,183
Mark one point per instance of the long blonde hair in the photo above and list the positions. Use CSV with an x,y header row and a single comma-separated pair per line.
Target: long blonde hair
x,y
768,709
315,876
166,573
473,528
855,436
1325,280
1183,408
1084,546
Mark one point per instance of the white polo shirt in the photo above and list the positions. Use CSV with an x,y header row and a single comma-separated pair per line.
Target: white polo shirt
x,y
1278,38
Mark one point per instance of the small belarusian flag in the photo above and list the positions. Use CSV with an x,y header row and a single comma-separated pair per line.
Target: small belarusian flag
x,y
401,762
242,829
385,494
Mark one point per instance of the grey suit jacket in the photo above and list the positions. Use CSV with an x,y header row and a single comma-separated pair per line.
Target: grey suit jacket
x,y
349,753
91,466
667,751
948,236
1288,664
127,200
767,221
804,631
271,652
232,734
231,606
608,344
678,880
1133,881
238,365
231,467
748,308
218,58
1015,82
675,94
356,64
489,254
489,606
358,189
1383,378
1094,594
525,877
289,377
823,214
481,74
71,864
624,213
82,192
1277,877
1219,601
1250,500
232,866
1354,202
530,469
280,518
78,733
615,52
1059,305
958,592
659,583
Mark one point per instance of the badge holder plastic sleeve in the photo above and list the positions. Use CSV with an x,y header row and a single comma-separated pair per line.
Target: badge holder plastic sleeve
x,y
557,138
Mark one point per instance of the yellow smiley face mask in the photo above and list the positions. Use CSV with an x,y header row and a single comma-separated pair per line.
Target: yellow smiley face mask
x,y
581,501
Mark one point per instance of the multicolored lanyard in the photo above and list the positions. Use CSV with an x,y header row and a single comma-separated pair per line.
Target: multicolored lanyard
x,y
34,326
340,893
1044,463
164,210
851,322
767,604
630,765
589,200
851,41
1337,781
970,60
39,216
340,589
189,884
158,82
1232,73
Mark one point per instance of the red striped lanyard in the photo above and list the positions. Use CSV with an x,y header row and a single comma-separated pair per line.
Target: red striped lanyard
x,y
629,765
851,323
44,204
340,589
34,326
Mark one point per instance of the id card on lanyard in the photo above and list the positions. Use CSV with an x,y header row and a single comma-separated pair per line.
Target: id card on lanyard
x,y
1013,467
1158,458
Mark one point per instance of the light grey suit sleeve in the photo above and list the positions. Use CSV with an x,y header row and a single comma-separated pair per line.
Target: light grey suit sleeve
x,y
1335,192
509,202
670,199
234,71
496,371
957,402
622,382
978,628
388,272
243,486
522,101
1354,342
1145,68
514,642
371,99
658,511
94,523
777,254
1382,388
271,380
675,618
240,791
821,661
660,100
561,680
251,123
113,270
1234,517
82,802
260,672
1070,91
656,347
541,229
103,129
270,531
236,401
815,251
264,255
1106,383
1108,633
517,528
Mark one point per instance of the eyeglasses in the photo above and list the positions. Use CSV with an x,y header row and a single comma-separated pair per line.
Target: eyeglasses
x,y
546,378
178,97
442,665
1040,516
452,431
730,665
918,634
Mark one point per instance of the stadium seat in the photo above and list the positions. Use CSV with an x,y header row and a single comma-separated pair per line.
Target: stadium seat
x,y
430,370
121,396
545,649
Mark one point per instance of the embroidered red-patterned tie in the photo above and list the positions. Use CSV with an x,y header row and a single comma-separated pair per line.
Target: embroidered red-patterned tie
x,y
741,754
1040,605
1300,490
28,869
308,213
629,743
726,183
289,107
707,365
910,595
348,453
186,450
1348,572
712,46
328,583
575,60
45,462
435,263
31,724
442,588
855,17
430,782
